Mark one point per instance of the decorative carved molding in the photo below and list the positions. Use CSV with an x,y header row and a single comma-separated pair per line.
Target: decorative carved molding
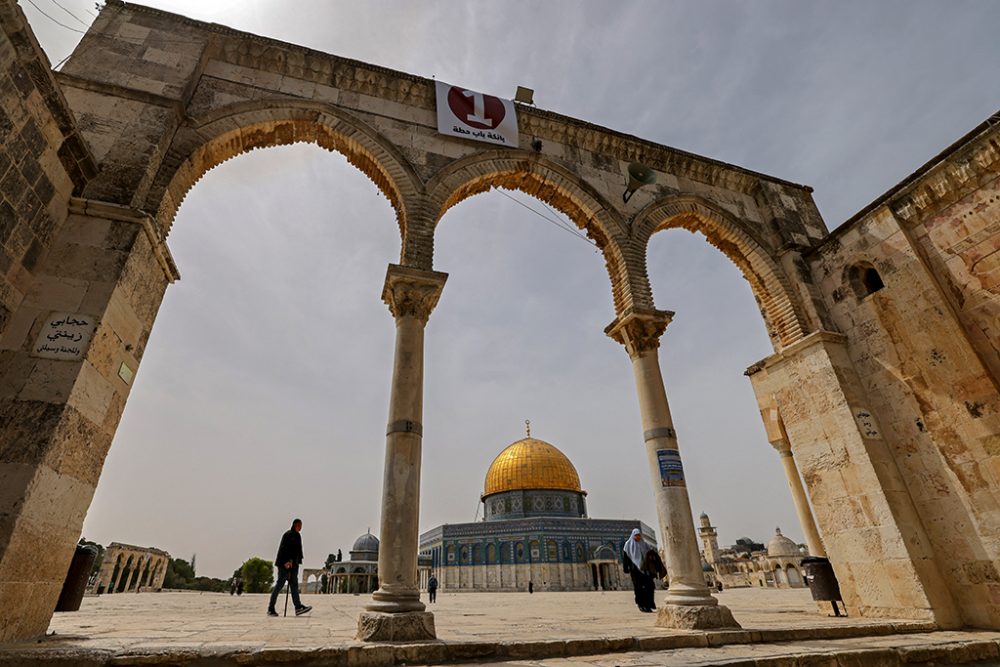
x,y
412,292
108,211
271,55
639,331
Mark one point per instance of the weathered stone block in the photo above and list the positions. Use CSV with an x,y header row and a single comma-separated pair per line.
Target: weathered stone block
x,y
403,627
690,617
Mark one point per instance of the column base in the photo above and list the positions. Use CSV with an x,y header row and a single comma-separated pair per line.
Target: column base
x,y
374,626
695,617
389,601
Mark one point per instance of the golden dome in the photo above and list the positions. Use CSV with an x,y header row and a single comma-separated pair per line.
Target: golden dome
x,y
531,464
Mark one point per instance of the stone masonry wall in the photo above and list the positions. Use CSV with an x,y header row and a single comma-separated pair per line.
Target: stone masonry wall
x,y
924,347
869,526
58,416
42,158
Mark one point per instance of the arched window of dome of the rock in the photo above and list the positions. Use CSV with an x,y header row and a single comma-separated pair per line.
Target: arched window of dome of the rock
x,y
717,332
262,352
519,334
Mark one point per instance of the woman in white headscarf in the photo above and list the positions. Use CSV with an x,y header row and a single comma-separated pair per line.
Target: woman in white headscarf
x,y
633,553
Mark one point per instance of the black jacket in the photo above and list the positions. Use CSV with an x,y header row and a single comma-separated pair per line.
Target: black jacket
x,y
290,549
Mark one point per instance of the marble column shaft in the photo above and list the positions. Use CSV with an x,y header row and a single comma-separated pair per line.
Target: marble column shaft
x,y
640,334
411,295
802,509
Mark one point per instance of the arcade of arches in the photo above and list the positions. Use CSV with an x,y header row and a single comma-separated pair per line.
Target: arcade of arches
x,y
128,568
881,397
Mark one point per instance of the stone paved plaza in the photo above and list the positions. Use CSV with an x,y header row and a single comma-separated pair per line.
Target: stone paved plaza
x,y
192,619
599,629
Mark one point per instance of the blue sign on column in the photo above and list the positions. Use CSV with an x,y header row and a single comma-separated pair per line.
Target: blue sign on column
x,y
671,470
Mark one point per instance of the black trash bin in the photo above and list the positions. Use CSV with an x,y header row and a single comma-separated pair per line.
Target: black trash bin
x,y
822,581
76,579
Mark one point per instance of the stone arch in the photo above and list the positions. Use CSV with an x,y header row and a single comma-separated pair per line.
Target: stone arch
x,y
553,184
206,142
782,313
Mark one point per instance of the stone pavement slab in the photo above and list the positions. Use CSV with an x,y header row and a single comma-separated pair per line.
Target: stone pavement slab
x,y
190,628
934,648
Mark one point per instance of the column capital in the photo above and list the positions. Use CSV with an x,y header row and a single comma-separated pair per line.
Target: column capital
x,y
774,427
639,330
412,292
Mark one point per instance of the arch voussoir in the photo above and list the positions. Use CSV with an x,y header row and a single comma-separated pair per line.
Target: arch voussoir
x,y
558,187
782,314
204,143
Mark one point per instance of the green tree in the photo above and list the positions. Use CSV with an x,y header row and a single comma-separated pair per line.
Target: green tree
x,y
179,574
209,584
258,575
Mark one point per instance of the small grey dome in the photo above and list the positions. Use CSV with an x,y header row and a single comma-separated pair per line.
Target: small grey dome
x,y
366,542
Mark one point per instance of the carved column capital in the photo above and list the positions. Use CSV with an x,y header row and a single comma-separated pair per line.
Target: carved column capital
x,y
775,429
412,292
639,331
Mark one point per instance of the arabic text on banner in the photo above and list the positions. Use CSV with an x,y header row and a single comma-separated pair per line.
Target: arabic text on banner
x,y
476,116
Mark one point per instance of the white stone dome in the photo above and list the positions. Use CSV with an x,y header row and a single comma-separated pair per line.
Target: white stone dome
x,y
780,546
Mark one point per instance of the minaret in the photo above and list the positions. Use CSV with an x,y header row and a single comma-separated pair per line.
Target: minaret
x,y
710,538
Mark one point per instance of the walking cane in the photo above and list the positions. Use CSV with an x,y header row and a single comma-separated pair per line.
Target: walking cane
x,y
288,587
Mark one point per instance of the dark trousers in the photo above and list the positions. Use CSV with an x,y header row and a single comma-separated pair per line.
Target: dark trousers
x,y
432,593
292,577
642,583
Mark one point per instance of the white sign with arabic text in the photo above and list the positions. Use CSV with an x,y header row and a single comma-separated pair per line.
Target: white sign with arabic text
x,y
64,336
476,116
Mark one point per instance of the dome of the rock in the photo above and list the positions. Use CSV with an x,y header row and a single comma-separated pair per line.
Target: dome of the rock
x,y
531,464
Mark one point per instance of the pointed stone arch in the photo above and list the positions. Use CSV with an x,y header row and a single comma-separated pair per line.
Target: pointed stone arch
x,y
551,183
782,314
201,144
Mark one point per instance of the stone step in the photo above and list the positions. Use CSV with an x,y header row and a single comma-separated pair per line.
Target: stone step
x,y
886,644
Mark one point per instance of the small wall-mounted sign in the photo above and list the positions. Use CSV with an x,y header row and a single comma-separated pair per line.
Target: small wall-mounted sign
x,y
477,116
64,336
866,424
671,469
126,373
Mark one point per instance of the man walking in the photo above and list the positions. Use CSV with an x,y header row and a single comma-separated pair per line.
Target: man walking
x,y
287,561
432,588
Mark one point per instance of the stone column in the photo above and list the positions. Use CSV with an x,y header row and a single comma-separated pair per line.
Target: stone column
x,y
396,612
162,574
117,575
689,604
779,440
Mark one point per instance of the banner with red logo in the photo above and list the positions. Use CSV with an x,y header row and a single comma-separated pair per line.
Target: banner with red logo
x,y
471,115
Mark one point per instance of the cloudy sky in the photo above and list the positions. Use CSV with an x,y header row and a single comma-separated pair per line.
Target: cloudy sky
x,y
264,389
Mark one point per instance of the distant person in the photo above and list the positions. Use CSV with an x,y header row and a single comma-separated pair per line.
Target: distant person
x,y
287,561
718,586
432,588
633,553
239,586
531,587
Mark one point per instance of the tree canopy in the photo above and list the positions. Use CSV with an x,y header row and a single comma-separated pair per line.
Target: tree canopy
x,y
258,575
